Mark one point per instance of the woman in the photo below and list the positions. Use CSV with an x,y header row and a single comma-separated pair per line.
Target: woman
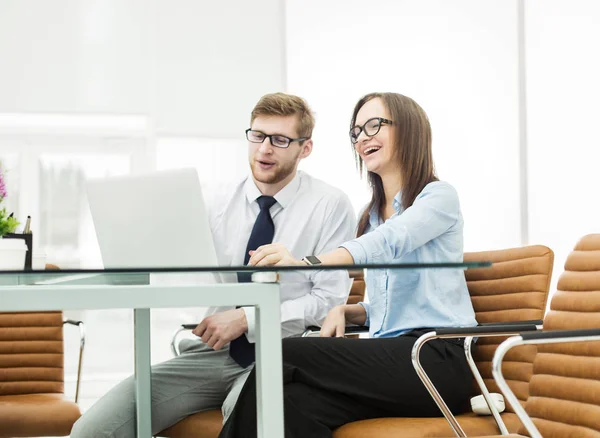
x,y
412,217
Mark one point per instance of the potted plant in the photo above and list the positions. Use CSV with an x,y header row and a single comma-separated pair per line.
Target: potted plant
x,y
12,251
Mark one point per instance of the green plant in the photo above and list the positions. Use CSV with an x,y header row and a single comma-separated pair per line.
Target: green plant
x,y
8,224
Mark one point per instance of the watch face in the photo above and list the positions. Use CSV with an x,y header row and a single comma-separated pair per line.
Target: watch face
x,y
313,260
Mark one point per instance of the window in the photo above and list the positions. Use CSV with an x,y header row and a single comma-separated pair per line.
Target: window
x,y
47,158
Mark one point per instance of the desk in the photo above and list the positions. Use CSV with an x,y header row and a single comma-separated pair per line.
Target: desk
x,y
142,297
60,294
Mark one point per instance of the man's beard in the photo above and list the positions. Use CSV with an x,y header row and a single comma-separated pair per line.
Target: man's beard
x,y
274,177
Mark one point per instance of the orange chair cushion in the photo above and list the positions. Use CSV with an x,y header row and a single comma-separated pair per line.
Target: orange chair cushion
x,y
424,427
206,424
30,415
512,435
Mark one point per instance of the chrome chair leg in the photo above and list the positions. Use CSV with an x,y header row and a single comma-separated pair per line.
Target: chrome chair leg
x,y
437,398
81,348
482,387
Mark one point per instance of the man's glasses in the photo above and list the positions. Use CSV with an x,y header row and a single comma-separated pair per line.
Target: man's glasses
x,y
370,128
279,141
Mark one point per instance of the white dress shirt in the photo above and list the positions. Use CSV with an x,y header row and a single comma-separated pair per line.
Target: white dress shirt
x,y
310,217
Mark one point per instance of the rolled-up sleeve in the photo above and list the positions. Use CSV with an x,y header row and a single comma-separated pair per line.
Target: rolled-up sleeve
x,y
367,308
357,251
435,210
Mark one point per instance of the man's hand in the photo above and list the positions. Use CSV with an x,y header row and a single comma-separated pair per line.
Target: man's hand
x,y
222,328
334,324
273,254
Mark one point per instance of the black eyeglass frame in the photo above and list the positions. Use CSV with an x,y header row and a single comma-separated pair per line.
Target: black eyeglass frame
x,y
270,137
381,120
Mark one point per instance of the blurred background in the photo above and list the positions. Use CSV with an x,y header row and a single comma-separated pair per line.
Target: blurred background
x,y
91,88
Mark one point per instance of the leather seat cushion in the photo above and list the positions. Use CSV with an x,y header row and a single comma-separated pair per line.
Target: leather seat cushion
x,y
425,427
206,424
28,415
512,435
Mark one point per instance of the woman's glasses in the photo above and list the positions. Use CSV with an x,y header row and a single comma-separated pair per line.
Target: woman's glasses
x,y
371,127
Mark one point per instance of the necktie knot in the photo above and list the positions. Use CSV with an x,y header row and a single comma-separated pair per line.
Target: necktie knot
x,y
265,202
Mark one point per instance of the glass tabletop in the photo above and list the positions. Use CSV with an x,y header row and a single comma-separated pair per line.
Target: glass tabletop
x,y
209,274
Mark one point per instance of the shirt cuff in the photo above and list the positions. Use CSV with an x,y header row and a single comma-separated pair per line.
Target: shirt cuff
x,y
251,319
357,251
366,307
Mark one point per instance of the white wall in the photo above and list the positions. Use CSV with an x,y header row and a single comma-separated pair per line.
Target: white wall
x,y
194,67
214,61
564,138
457,59
71,56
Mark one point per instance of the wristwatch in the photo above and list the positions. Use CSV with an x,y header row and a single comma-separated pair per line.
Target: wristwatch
x,y
311,260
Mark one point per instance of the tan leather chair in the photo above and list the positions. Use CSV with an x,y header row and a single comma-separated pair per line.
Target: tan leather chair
x,y
208,424
357,291
564,390
515,288
32,401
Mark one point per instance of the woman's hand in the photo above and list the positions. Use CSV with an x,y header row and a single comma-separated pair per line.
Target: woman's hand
x,y
273,254
334,325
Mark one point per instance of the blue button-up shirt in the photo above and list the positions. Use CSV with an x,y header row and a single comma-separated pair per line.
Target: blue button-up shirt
x,y
431,230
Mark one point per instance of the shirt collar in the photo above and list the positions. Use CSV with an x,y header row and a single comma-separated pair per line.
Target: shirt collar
x,y
283,197
398,202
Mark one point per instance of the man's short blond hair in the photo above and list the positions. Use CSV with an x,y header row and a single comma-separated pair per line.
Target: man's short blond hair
x,y
282,104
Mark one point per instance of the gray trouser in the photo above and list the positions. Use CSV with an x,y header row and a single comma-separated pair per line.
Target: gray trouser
x,y
198,380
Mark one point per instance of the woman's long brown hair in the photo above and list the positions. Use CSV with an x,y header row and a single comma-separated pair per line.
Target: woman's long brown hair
x,y
412,143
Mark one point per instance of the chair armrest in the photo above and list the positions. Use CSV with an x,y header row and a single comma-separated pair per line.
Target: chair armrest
x,y
350,330
356,329
492,329
81,347
547,337
537,322
485,330
558,336
183,327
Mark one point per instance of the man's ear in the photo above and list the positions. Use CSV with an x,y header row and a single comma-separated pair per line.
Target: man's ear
x,y
306,148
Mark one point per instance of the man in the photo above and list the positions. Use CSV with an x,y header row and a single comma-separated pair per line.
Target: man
x,y
276,203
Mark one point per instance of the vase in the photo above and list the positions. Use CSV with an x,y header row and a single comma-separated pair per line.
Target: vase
x,y
12,254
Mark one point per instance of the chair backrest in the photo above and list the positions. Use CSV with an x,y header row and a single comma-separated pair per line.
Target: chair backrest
x,y
564,398
514,288
357,292
31,353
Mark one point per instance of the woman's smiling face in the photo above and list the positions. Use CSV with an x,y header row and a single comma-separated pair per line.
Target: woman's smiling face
x,y
376,151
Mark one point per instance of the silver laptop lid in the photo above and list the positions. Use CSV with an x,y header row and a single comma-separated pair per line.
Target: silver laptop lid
x,y
151,220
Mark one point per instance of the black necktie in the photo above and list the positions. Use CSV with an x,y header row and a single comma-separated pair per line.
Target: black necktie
x,y
262,233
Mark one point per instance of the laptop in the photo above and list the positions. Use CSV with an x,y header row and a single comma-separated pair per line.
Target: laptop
x,y
152,220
